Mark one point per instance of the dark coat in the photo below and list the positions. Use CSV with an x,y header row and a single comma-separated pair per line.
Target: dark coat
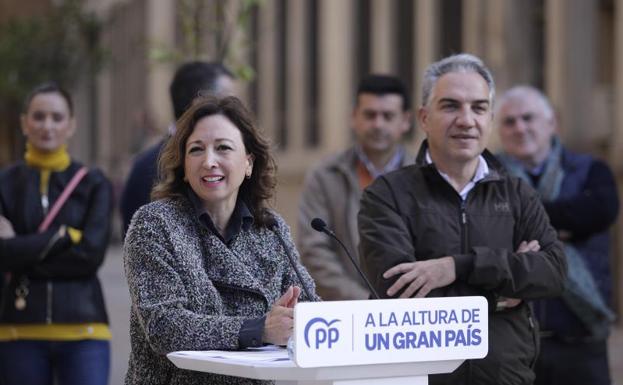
x,y
63,286
414,214
190,291
142,178
587,206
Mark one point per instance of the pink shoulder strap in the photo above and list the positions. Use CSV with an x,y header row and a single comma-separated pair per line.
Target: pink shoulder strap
x,y
63,198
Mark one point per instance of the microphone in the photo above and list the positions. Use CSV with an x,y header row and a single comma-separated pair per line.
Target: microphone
x,y
320,226
271,222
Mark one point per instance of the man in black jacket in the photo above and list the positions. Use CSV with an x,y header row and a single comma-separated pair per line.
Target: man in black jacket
x,y
456,224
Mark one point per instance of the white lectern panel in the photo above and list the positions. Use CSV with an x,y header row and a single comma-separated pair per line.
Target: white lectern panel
x,y
390,331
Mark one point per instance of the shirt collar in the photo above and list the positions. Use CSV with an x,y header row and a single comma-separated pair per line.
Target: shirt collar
x,y
394,163
241,218
482,170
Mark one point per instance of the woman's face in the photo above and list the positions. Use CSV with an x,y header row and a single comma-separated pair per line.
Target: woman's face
x,y
48,123
216,162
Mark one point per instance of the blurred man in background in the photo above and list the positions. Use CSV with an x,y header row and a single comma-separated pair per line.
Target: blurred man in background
x,y
580,196
332,190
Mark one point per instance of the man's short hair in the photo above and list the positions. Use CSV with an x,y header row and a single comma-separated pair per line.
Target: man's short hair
x,y
382,85
463,62
527,90
191,78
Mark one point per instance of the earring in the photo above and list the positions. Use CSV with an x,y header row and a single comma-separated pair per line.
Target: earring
x,y
248,175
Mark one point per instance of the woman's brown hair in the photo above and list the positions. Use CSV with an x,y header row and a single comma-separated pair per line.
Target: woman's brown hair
x,y
255,191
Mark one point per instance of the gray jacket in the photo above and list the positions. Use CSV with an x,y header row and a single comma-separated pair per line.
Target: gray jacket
x,y
331,192
189,291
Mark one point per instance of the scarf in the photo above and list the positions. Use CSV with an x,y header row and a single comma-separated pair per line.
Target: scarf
x,y
581,294
46,162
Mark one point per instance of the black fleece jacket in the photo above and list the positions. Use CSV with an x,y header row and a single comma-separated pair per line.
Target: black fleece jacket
x,y
414,214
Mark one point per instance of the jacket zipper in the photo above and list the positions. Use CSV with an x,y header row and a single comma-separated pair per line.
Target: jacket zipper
x,y
45,203
48,315
464,241
463,219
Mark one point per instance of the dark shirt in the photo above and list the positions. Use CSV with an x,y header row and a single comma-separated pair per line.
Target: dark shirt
x,y
241,218
250,334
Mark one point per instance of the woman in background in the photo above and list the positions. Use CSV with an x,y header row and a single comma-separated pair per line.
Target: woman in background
x,y
54,230
205,266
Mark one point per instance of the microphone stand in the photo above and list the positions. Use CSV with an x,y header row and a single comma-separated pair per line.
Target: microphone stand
x,y
319,225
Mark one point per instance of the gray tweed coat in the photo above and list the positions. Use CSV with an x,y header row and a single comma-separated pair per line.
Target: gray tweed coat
x,y
191,292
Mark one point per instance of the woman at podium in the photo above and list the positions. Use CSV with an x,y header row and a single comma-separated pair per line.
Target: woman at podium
x,y
207,262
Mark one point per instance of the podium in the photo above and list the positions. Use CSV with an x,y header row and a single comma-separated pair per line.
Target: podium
x,y
287,372
375,342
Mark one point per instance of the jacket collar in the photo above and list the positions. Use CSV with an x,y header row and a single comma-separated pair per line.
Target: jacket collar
x,y
346,162
496,170
223,265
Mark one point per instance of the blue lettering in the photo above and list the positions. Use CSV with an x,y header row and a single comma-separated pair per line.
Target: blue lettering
x,y
392,319
406,320
453,317
321,336
399,340
411,337
431,320
450,336
370,320
476,340
377,341
435,338
476,315
422,341
334,335
442,315
460,338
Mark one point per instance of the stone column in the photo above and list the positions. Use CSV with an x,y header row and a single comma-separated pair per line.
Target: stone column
x,y
426,30
296,77
383,37
266,77
335,67
160,29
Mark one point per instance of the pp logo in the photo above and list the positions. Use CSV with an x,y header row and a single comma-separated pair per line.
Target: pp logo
x,y
323,333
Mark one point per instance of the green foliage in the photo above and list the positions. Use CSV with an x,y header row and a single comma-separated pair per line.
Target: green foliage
x,y
208,29
56,46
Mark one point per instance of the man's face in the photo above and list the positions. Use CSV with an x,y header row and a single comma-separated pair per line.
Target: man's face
x,y
227,86
457,119
526,128
379,122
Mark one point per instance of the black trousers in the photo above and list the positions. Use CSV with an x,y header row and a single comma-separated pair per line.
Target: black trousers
x,y
572,363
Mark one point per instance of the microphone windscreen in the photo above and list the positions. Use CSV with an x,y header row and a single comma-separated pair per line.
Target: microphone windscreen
x,y
318,224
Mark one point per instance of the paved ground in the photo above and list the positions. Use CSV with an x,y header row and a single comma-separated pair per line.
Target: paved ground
x,y
118,305
118,301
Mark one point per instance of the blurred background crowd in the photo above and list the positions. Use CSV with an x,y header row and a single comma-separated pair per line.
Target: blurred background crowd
x,y
297,64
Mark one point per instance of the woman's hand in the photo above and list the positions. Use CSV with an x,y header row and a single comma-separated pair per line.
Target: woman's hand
x,y
280,319
6,228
